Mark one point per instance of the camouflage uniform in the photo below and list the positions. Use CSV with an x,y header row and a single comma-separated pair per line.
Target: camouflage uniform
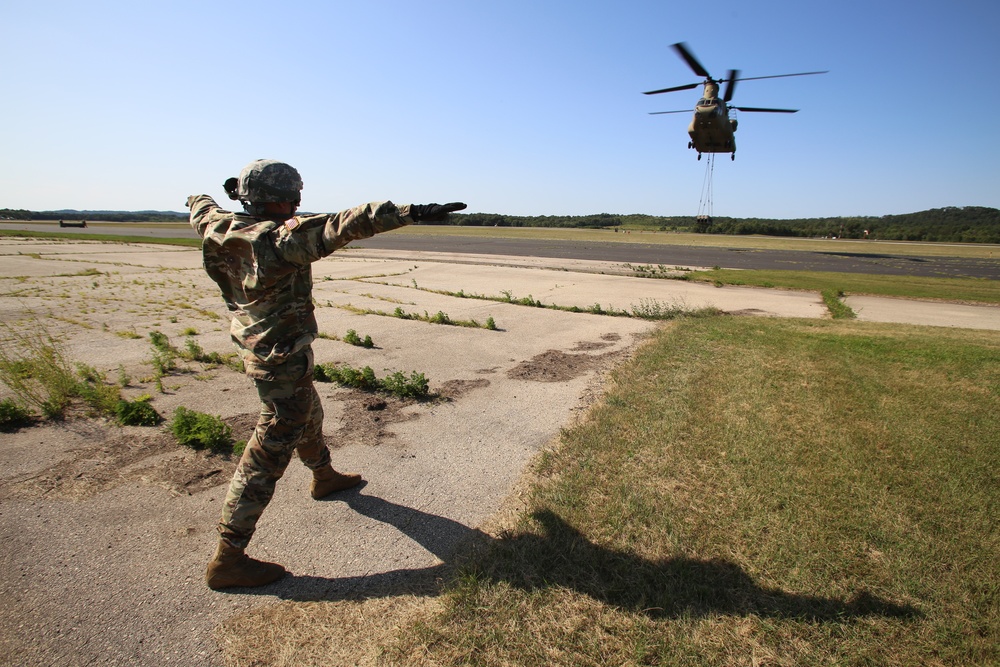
x,y
264,271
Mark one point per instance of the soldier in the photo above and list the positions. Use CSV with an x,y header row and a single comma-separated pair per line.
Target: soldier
x,y
261,260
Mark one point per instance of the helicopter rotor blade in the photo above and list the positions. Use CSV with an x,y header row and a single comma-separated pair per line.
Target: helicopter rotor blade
x,y
734,76
685,53
657,113
780,76
671,90
765,110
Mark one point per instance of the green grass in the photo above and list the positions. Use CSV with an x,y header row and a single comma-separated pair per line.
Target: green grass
x,y
978,290
838,309
107,238
711,240
754,491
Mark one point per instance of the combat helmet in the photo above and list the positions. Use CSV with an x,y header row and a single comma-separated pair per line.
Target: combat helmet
x,y
264,181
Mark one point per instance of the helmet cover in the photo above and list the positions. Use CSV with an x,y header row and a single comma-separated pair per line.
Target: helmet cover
x,y
269,181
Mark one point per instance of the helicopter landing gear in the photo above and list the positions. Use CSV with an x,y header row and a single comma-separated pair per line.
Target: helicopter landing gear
x,y
733,156
699,156
690,145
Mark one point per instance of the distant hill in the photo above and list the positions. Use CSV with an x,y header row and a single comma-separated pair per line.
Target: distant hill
x,y
951,224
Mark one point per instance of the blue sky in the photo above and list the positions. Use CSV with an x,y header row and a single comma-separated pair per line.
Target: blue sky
x,y
523,107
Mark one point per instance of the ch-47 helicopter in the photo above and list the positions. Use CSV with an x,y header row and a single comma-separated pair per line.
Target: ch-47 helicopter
x,y
712,129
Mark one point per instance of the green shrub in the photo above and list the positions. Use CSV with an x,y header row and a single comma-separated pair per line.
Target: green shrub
x,y
12,415
363,378
320,374
137,413
353,338
201,431
414,386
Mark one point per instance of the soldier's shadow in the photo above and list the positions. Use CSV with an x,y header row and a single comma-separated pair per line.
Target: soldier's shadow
x,y
561,556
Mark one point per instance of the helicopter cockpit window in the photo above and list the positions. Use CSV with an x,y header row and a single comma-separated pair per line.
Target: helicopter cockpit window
x,y
705,102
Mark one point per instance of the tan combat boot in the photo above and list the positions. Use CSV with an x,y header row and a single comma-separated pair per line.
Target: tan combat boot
x,y
231,567
327,480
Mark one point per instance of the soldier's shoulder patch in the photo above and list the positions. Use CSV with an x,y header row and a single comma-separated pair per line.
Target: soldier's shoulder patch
x,y
292,223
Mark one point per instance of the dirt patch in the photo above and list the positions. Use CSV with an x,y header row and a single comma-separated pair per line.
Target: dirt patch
x,y
590,346
367,418
121,455
454,389
607,340
557,366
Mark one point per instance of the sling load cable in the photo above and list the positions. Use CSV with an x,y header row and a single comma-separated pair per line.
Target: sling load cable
x,y
704,216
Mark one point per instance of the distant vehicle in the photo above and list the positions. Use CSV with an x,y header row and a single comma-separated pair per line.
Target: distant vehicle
x,y
82,223
712,130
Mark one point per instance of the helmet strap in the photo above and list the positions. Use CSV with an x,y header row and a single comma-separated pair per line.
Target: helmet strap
x,y
259,211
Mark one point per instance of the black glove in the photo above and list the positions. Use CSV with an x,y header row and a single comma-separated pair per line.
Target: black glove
x,y
230,187
433,212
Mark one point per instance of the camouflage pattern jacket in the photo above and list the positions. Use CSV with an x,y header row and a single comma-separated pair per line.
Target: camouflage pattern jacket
x,y
264,269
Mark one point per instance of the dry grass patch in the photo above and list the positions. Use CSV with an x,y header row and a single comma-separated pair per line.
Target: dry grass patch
x,y
349,632
751,491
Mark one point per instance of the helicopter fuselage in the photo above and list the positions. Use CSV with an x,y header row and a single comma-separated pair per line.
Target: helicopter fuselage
x,y
712,130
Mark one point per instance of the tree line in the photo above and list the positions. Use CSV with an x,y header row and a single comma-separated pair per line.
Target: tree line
x,y
951,224
954,224
109,216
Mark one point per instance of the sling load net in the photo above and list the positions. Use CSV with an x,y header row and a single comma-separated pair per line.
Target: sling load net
x,y
704,218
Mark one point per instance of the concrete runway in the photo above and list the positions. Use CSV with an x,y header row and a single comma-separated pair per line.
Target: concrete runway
x,y
619,252
692,256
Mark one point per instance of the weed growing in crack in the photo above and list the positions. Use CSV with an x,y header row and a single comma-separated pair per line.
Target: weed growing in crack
x,y
439,317
198,430
352,338
35,367
651,309
838,309
137,413
397,383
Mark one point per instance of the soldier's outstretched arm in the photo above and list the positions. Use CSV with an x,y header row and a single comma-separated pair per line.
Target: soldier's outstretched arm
x,y
305,239
202,207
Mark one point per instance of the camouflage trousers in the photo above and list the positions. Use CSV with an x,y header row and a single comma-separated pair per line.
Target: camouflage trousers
x,y
291,419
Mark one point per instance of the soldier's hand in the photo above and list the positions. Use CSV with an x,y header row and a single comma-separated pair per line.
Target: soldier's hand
x,y
433,212
189,200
